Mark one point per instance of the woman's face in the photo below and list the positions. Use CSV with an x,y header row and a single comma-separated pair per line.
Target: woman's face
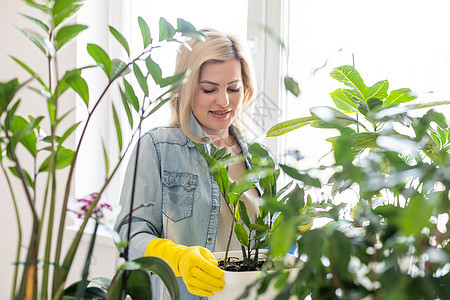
x,y
219,95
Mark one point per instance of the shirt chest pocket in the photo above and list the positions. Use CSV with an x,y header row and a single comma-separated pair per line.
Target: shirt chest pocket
x,y
178,194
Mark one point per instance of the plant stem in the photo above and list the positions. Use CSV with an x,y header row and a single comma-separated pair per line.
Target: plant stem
x,y
228,243
83,283
19,229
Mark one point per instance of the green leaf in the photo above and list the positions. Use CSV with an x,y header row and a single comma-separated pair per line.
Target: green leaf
x,y
106,159
139,285
7,92
378,90
141,79
166,30
241,234
145,31
312,244
288,126
23,133
244,214
342,250
28,178
44,8
344,100
101,58
69,132
119,37
304,177
351,78
118,129
126,106
187,29
154,69
374,104
291,85
44,45
30,71
399,96
64,158
364,140
67,33
163,270
37,21
62,9
416,215
118,68
175,80
130,95
78,84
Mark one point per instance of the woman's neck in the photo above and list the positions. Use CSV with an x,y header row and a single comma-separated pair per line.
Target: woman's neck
x,y
220,141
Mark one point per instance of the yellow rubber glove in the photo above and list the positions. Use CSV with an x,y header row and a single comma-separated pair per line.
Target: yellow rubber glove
x,y
195,264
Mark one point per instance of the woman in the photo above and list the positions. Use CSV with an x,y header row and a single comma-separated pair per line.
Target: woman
x,y
188,219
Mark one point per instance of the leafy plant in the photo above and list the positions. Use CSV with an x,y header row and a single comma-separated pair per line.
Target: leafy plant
x,y
51,153
394,243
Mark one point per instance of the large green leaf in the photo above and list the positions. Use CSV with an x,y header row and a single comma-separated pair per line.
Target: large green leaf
x,y
312,244
62,9
399,96
139,285
126,106
166,30
119,37
351,78
365,140
145,31
172,80
64,158
163,270
101,58
415,215
288,126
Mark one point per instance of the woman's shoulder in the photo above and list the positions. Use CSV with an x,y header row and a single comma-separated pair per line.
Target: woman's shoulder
x,y
167,134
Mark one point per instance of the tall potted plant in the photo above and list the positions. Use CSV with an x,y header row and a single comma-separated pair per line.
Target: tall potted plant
x,y
22,141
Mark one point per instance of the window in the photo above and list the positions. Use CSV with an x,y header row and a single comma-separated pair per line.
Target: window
x,y
401,41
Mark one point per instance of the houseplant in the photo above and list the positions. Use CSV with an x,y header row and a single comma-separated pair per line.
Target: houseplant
x,y
393,244
22,139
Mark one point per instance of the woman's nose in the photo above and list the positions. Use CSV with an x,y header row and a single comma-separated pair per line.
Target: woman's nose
x,y
222,99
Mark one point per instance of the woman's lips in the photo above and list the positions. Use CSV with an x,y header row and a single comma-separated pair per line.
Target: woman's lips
x,y
220,114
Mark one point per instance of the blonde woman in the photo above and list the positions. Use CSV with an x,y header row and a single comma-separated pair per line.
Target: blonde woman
x,y
187,223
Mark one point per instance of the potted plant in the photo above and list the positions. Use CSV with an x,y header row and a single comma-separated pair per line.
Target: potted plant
x,y
255,233
393,244
36,159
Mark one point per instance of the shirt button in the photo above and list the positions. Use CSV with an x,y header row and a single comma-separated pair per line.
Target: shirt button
x,y
214,207
209,239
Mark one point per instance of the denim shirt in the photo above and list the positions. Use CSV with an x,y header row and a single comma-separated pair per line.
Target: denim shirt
x,y
174,176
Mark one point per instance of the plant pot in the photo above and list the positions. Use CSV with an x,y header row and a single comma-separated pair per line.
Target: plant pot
x,y
237,282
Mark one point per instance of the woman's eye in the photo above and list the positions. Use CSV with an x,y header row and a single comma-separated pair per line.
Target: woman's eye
x,y
234,90
206,91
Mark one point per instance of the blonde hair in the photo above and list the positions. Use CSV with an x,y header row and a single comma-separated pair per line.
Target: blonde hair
x,y
218,47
